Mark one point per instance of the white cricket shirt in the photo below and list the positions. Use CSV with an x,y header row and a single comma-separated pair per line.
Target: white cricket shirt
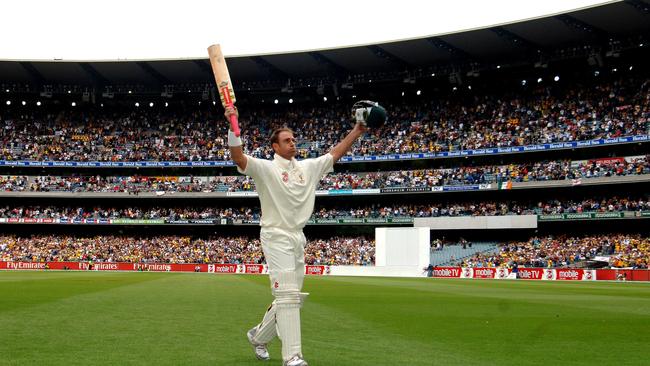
x,y
287,188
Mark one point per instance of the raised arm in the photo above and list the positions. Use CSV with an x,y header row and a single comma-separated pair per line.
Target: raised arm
x,y
344,146
235,143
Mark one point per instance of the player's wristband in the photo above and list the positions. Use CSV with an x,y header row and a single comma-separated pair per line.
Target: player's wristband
x,y
233,140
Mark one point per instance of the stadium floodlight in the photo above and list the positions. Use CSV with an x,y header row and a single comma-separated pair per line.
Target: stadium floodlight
x,y
469,87
276,101
69,91
38,103
24,103
354,97
631,67
614,69
166,104
539,80
370,81
8,102
454,88
130,91
324,99
498,66
214,102
73,104
523,82
640,44
556,78
402,93
290,100
418,92
596,73
137,104
150,104
433,74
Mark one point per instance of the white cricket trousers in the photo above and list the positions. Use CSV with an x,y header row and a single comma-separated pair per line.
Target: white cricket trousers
x,y
284,251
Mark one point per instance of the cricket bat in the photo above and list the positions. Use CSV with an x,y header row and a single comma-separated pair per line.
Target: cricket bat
x,y
224,85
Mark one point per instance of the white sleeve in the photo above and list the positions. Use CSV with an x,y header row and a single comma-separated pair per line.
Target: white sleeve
x,y
320,166
253,167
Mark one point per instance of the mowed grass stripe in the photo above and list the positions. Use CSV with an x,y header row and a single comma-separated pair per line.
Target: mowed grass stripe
x,y
199,319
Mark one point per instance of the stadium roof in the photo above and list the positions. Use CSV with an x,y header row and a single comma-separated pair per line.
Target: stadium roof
x,y
611,26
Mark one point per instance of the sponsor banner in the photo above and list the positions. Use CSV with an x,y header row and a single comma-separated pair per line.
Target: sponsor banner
x,y
338,192
321,192
325,221
446,272
563,274
115,164
255,269
502,273
152,267
531,273
608,215
550,217
549,274
608,161
405,189
470,187
345,159
583,216
401,220
568,274
623,274
366,191
223,268
25,265
317,270
467,272
484,272
351,220
137,221
241,194
589,275
577,216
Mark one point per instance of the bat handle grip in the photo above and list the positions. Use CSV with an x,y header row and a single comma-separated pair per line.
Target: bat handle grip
x,y
234,124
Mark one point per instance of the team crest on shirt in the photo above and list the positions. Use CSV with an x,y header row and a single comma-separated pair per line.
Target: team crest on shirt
x,y
285,177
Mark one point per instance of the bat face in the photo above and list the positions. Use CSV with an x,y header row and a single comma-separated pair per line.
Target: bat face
x,y
226,93
224,85
221,75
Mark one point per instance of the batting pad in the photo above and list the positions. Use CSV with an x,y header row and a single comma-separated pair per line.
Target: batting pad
x,y
267,330
287,313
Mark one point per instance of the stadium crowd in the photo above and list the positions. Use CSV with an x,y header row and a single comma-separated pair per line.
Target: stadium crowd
x,y
538,171
483,208
606,109
175,249
623,250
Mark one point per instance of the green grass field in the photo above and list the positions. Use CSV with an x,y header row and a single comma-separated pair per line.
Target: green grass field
x,y
99,318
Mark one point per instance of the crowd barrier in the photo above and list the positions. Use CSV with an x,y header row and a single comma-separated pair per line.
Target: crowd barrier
x,y
548,274
219,268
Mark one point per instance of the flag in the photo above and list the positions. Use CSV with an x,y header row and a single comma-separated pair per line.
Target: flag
x,y
505,185
576,182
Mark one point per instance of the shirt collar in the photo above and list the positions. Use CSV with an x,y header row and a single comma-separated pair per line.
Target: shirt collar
x,y
284,163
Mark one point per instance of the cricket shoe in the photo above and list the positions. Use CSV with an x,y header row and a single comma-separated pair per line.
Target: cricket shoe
x,y
296,361
260,349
